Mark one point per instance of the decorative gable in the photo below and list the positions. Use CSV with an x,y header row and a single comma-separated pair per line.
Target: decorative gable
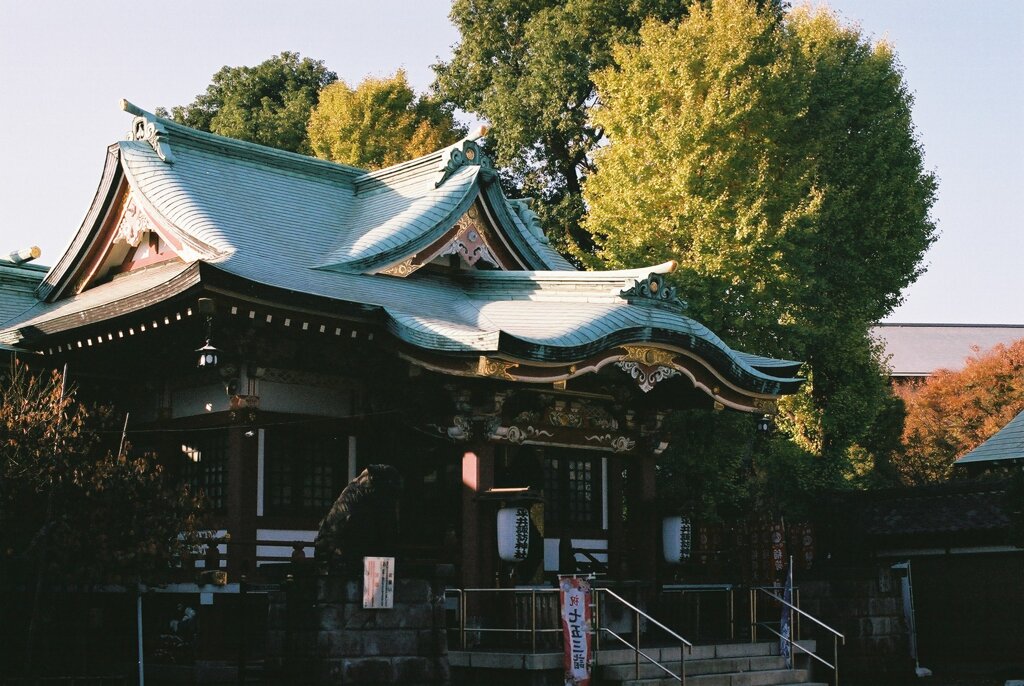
x,y
130,239
473,239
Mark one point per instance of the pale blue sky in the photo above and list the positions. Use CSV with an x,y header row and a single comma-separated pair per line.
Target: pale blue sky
x,y
65,65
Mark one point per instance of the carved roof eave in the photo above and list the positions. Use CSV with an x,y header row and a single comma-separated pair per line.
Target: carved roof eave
x,y
609,279
176,280
700,373
717,358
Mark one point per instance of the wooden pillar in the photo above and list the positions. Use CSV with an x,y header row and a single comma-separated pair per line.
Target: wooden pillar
x,y
243,477
618,550
642,525
479,546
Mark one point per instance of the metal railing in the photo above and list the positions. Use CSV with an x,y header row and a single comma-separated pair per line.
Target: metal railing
x,y
518,595
535,617
638,614
794,609
697,591
551,623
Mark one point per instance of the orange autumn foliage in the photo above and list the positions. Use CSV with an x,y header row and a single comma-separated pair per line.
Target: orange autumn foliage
x,y
954,412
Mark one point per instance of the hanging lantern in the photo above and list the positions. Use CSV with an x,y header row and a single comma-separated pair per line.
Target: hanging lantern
x,y
513,533
676,539
208,355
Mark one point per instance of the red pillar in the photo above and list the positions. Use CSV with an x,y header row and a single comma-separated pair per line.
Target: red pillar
x,y
479,546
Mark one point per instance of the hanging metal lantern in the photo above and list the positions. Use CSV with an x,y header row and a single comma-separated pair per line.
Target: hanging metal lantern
x,y
208,356
676,539
513,533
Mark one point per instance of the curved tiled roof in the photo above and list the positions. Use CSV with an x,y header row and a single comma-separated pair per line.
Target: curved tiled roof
x,y
306,226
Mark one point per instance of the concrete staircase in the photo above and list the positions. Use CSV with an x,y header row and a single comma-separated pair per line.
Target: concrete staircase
x,y
728,664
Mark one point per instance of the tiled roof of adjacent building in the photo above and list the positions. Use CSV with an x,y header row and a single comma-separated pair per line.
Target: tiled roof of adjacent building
x,y
18,283
921,349
947,508
1006,444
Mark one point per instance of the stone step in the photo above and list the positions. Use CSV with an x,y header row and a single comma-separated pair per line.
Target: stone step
x,y
700,652
773,677
620,672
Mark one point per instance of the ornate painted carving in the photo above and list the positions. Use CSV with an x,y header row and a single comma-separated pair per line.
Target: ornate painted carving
x,y
646,377
563,415
402,269
469,244
301,378
618,444
599,418
466,154
520,434
133,224
495,368
461,428
653,288
765,405
649,356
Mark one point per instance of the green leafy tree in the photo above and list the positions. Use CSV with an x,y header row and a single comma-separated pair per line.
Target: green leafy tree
x,y
954,412
705,472
777,161
267,104
526,67
378,123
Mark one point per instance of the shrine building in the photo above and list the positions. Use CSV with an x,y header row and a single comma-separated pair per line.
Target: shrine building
x,y
413,316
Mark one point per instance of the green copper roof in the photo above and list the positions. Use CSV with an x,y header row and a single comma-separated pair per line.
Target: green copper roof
x,y
18,283
305,226
1006,444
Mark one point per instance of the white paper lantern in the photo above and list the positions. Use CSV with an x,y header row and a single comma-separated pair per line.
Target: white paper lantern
x,y
513,533
676,539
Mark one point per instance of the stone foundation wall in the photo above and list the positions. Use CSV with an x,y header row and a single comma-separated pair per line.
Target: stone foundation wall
x,y
865,604
320,634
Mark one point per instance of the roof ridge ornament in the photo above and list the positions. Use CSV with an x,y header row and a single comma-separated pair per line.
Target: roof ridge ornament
x,y
148,127
653,288
524,210
465,153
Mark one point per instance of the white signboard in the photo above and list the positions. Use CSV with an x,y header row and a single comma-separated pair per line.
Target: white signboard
x,y
378,583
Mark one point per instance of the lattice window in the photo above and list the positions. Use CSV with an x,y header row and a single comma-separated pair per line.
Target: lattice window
x,y
304,472
206,466
572,491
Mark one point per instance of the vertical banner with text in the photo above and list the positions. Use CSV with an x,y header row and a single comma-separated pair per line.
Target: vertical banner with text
x,y
574,599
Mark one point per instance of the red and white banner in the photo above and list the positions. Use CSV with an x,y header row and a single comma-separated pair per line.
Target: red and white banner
x,y
574,599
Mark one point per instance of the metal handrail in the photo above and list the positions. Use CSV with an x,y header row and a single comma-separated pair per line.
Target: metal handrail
x,y
646,616
796,609
641,653
836,635
533,630
730,589
685,645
